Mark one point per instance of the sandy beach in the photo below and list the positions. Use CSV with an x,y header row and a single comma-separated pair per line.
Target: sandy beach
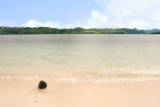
x,y
24,93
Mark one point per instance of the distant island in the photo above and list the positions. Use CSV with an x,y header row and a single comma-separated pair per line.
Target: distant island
x,y
78,30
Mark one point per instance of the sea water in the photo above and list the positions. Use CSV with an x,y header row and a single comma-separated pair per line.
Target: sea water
x,y
69,57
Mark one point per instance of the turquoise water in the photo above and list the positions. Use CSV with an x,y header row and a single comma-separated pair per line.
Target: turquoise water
x,y
81,57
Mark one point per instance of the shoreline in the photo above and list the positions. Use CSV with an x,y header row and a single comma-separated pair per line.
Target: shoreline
x,y
79,78
24,93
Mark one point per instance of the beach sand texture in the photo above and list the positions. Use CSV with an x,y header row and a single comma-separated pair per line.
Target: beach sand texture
x,y
24,93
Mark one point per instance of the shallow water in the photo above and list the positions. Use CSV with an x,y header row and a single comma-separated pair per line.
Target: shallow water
x,y
81,57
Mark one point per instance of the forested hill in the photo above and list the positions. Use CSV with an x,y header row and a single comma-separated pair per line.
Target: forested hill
x,y
78,30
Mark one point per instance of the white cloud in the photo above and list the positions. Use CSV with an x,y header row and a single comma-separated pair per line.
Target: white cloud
x,y
137,23
131,13
34,23
142,14
156,17
97,20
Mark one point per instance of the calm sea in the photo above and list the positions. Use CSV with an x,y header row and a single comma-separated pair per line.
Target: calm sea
x,y
90,57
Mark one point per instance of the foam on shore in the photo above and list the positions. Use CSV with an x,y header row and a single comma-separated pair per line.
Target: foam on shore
x,y
80,79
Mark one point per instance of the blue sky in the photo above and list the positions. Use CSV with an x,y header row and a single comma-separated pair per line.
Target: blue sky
x,y
142,14
44,10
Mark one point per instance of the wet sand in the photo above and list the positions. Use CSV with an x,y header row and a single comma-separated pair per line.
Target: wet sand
x,y
24,93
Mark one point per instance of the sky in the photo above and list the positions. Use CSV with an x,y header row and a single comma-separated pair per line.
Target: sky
x,y
141,14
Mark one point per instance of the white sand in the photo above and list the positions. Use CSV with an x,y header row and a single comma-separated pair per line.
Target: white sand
x,y
24,93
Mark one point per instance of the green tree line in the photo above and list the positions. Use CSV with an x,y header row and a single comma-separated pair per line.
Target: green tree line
x,y
78,30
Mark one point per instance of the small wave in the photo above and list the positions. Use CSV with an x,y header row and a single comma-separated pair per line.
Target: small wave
x,y
77,79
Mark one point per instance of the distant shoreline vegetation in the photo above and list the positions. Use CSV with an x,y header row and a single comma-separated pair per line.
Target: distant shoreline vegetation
x,y
78,30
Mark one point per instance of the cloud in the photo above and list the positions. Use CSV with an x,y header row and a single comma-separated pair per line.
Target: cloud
x,y
52,24
34,23
142,14
137,23
97,20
